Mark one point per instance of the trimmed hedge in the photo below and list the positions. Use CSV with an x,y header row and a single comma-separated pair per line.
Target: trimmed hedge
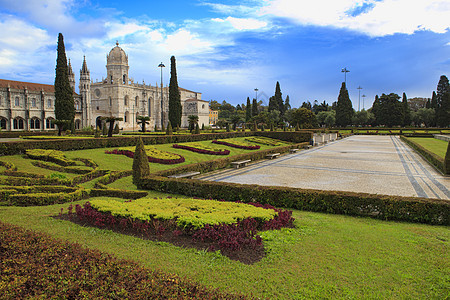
x,y
34,265
112,176
130,154
19,147
117,193
431,157
208,166
431,211
55,156
447,160
202,151
38,199
73,170
239,146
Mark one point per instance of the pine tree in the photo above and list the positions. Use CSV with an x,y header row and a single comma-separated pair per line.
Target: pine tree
x,y
248,110
406,111
279,99
443,102
254,108
287,105
175,109
273,105
141,168
64,103
433,102
344,108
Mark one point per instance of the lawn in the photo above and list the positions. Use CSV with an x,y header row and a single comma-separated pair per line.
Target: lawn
x,y
324,256
438,147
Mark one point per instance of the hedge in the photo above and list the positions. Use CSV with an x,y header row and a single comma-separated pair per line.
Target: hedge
x,y
61,169
117,193
431,157
34,265
39,199
431,211
19,147
208,166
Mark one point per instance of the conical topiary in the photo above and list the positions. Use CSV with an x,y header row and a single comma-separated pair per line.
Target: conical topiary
x,y
141,167
197,129
169,130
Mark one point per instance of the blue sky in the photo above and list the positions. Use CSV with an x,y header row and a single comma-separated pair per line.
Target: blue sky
x,y
226,49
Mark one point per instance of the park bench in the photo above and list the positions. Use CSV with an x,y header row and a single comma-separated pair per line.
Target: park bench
x,y
293,150
241,163
184,175
272,155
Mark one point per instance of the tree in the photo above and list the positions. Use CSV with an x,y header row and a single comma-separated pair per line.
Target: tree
x,y
192,120
389,110
361,118
254,108
214,105
272,103
111,121
141,168
406,111
307,105
443,102
197,129
424,116
248,110
143,121
344,108
279,99
64,103
287,105
175,109
169,130
235,119
303,117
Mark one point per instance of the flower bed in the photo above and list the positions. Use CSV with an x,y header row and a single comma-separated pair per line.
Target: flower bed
x,y
236,144
263,141
154,155
208,221
199,148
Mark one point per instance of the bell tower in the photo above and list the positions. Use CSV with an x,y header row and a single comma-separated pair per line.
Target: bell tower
x,y
71,76
117,66
85,92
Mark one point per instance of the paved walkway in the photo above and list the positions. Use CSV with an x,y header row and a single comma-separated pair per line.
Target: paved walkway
x,y
369,164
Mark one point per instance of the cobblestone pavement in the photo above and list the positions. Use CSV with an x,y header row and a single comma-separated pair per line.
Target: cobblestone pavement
x,y
369,164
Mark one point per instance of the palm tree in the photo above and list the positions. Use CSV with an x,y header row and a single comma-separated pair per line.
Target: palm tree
x,y
192,119
143,121
111,121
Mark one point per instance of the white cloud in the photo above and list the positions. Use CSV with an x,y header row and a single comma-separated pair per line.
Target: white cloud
x,y
243,24
379,18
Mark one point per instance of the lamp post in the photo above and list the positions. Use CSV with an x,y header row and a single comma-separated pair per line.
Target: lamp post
x,y
363,96
359,97
256,90
161,65
345,71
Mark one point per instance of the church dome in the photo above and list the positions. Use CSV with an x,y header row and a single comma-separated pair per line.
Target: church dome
x,y
117,56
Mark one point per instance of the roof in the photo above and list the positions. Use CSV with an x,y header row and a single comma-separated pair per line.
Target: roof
x,y
20,85
30,86
195,99
186,90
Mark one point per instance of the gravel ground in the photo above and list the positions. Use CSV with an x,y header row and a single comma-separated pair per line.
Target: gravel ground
x,y
369,164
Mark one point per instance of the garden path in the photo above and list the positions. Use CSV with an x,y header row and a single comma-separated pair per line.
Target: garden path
x,y
369,164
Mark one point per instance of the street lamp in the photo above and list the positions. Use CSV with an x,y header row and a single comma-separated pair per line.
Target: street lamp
x,y
363,96
256,90
345,71
359,97
161,65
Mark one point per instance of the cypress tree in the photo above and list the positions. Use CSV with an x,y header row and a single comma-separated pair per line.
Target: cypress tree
x,y
406,111
344,108
169,130
447,160
254,108
175,109
287,105
279,99
140,162
248,110
443,102
273,104
64,103
432,103
197,129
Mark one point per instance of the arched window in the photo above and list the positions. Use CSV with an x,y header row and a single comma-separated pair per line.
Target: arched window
x,y
3,123
125,100
49,102
77,124
150,102
77,105
33,102
50,123
124,79
112,80
17,101
110,101
136,101
35,123
125,119
18,123
98,122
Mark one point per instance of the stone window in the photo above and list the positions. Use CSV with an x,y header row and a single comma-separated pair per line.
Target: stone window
x,y
124,79
110,101
136,101
3,123
16,101
125,119
35,123
18,123
33,102
49,102
77,124
0,100
77,105
125,100
50,123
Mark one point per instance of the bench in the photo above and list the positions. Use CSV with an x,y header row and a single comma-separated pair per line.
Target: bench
x,y
241,163
184,175
293,150
307,147
272,155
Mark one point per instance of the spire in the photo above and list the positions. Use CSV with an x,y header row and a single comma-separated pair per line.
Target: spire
x,y
70,68
84,69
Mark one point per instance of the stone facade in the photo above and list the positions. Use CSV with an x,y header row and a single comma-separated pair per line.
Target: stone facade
x,y
30,106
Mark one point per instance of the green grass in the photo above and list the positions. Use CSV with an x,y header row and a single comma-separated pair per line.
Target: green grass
x,y
325,256
438,147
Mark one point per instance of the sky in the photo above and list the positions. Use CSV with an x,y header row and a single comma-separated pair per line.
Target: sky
x,y
227,48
